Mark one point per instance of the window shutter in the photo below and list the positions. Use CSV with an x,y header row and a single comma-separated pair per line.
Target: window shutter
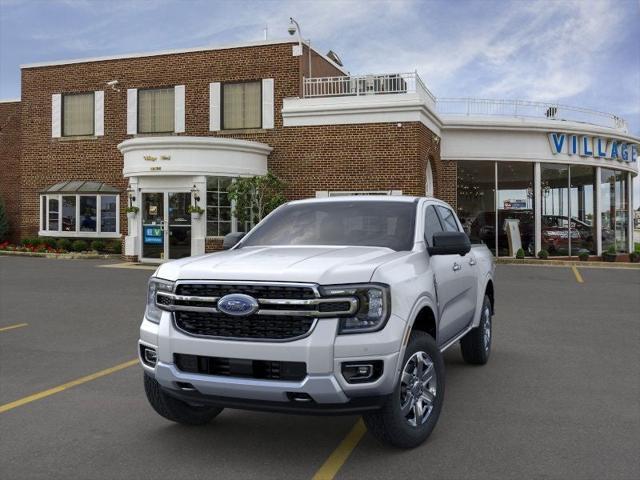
x,y
98,111
214,106
56,115
132,111
267,103
179,110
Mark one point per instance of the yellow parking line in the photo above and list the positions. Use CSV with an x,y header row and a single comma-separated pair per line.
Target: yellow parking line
x,y
11,327
577,274
60,388
330,468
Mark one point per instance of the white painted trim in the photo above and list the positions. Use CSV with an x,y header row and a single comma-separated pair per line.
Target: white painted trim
x,y
268,114
214,107
132,111
172,52
537,207
184,142
77,233
598,211
98,112
56,115
630,212
10,100
179,100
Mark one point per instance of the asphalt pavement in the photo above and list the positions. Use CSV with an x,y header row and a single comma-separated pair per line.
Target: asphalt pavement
x,y
559,398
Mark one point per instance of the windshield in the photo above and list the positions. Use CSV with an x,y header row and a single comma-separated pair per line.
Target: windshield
x,y
359,223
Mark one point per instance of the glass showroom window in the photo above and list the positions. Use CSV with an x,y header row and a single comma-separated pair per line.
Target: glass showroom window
x,y
156,110
581,201
515,207
614,209
219,218
80,215
476,201
555,208
77,114
241,105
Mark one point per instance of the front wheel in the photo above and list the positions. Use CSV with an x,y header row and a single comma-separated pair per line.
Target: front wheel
x,y
411,413
174,409
476,345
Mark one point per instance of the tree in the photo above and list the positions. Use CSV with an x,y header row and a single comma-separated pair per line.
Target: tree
x,y
255,197
4,222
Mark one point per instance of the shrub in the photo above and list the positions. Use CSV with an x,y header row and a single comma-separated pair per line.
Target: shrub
x,y
47,242
64,244
4,222
543,254
97,245
115,247
634,257
29,241
520,253
611,249
583,256
79,246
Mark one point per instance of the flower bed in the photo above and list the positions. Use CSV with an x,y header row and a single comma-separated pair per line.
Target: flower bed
x,y
53,246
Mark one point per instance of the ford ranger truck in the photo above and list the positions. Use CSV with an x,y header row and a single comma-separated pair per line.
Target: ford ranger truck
x,y
339,305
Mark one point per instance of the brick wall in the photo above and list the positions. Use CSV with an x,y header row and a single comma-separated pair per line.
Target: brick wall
x,y
340,157
10,163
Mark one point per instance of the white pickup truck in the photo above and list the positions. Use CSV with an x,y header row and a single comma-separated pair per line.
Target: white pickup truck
x,y
328,306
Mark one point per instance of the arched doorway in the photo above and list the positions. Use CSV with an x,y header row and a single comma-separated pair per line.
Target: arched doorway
x,y
428,187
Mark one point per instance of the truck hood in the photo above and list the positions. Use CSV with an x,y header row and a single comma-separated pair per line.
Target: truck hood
x,y
322,265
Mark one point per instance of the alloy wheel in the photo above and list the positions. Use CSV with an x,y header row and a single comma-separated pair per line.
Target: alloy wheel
x,y
418,389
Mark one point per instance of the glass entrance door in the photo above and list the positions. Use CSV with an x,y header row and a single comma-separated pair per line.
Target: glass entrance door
x,y
166,226
179,225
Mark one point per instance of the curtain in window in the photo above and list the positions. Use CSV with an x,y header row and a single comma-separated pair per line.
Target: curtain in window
x,y
156,110
241,105
77,114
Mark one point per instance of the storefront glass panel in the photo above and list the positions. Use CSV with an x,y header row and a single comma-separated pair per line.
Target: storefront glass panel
x,y
582,206
108,213
218,206
515,208
88,214
153,225
69,213
179,225
554,181
476,201
53,213
614,210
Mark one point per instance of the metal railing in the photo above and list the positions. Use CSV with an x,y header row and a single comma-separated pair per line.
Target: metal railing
x,y
528,109
357,85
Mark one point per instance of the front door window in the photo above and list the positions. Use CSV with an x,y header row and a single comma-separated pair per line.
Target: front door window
x,y
166,225
153,226
179,225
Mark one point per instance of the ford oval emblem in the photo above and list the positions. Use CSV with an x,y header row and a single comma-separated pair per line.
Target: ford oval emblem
x,y
237,304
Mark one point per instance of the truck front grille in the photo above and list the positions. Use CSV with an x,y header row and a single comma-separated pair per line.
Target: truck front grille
x,y
239,367
259,327
256,291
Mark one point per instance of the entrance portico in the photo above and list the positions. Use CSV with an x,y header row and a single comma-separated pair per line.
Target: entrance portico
x,y
167,174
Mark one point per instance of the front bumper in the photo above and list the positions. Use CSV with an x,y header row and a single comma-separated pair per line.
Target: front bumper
x,y
323,352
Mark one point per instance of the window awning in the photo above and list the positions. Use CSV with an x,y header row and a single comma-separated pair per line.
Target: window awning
x,y
81,186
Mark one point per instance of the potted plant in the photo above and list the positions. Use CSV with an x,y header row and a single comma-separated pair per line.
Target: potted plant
x,y
583,256
520,254
610,255
195,211
131,212
635,255
543,254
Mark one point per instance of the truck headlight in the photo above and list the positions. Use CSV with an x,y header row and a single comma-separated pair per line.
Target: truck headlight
x,y
153,312
374,305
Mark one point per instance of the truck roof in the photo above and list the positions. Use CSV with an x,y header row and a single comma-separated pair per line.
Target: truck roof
x,y
360,198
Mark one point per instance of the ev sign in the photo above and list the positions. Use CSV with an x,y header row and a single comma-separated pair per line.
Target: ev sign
x,y
597,147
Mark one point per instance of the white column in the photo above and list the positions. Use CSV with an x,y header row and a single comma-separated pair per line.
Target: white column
x,y
630,211
132,241
598,213
199,226
537,207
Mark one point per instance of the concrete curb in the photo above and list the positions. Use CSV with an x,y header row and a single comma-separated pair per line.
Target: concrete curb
x,y
64,256
566,263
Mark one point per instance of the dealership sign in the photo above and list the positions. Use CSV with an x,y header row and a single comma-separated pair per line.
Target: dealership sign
x,y
597,147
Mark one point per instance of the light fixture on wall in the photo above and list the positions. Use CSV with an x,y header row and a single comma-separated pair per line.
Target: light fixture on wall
x,y
196,194
132,197
294,27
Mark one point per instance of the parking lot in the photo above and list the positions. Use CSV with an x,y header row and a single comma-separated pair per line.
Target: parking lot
x,y
560,397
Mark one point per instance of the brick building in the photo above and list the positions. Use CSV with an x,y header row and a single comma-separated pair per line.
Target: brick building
x,y
163,130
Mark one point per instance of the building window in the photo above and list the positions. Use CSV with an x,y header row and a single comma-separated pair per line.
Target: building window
x,y
614,210
515,206
219,211
241,105
76,215
78,114
156,110
476,201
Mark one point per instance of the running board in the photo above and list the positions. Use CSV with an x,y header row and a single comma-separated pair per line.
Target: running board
x,y
455,339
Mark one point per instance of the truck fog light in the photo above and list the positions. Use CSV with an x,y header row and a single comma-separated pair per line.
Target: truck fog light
x,y
149,356
362,372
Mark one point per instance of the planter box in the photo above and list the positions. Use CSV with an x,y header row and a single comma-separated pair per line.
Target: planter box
x,y
610,257
131,216
195,216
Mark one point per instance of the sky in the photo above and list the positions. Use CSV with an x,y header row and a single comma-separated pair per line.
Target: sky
x,y
584,53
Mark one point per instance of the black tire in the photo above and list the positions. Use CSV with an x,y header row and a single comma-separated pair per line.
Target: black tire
x,y
476,345
390,424
174,409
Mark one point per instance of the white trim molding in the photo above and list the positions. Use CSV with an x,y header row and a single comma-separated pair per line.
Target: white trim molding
x,y
98,112
56,115
132,111
268,103
179,101
214,107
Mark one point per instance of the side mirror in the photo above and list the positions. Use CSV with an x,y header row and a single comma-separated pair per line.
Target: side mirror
x,y
231,240
450,243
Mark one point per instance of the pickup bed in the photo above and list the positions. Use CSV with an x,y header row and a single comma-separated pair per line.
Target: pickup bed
x,y
327,306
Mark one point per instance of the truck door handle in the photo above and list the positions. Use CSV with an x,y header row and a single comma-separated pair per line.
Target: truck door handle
x,y
472,261
456,266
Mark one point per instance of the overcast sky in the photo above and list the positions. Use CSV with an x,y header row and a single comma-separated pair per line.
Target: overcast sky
x,y
583,52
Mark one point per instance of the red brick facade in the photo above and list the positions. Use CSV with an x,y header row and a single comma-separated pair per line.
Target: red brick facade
x,y
381,156
10,163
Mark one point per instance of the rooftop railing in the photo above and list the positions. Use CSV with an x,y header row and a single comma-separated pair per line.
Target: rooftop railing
x,y
401,83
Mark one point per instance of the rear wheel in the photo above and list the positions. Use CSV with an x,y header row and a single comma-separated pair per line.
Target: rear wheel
x,y
411,413
174,409
476,345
